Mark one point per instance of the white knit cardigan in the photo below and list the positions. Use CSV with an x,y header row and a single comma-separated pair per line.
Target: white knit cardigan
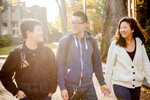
x,y
122,70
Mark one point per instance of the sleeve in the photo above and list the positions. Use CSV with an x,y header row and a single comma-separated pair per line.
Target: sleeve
x,y
61,60
111,59
98,65
7,73
53,72
146,64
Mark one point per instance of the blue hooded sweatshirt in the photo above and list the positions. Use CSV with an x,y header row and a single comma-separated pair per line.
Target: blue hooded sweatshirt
x,y
76,70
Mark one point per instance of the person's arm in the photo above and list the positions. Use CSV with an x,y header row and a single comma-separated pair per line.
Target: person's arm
x,y
53,68
7,72
99,71
97,64
61,60
111,57
146,64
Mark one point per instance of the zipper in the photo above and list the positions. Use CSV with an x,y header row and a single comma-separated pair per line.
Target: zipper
x,y
81,62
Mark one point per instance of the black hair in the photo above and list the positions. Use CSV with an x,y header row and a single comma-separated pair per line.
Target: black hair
x,y
138,32
82,15
28,25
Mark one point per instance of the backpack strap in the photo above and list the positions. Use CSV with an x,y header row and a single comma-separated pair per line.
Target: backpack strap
x,y
68,43
22,56
92,43
21,53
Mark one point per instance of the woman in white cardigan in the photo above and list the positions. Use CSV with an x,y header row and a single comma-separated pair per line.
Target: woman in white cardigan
x,y
126,60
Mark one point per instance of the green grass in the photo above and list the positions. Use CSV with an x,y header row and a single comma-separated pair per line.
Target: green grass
x,y
53,46
6,50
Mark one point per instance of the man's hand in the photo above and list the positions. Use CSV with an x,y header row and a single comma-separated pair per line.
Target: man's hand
x,y
64,94
106,91
21,94
50,94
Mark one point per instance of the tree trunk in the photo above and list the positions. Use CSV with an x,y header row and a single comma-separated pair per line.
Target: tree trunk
x,y
114,10
63,15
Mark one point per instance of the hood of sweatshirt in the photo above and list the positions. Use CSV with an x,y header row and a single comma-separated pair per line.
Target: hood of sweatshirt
x,y
87,34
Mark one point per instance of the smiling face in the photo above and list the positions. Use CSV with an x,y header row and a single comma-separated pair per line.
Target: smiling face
x,y
77,25
37,34
125,30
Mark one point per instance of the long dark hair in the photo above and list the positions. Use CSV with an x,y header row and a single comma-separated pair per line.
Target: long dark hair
x,y
138,32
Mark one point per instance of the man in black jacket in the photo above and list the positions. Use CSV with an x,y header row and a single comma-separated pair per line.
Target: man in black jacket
x,y
34,66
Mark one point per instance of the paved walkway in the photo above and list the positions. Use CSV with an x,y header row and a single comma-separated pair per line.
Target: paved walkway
x,y
5,95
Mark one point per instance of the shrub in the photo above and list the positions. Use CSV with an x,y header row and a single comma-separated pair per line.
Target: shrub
x,y
141,10
5,40
54,33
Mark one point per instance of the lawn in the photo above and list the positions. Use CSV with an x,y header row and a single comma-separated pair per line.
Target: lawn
x,y
6,50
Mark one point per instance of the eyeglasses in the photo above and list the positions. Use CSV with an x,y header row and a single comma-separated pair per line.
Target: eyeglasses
x,y
75,23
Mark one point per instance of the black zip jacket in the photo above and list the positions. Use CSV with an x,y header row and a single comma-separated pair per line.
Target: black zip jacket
x,y
41,70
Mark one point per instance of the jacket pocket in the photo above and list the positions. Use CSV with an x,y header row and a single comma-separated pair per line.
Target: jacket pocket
x,y
26,88
73,74
139,74
28,72
140,77
87,72
44,88
124,74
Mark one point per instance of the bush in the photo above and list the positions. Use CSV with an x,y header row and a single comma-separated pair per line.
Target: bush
x,y
54,34
5,40
147,45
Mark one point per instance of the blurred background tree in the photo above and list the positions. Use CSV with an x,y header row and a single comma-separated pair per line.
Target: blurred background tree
x,y
141,10
63,16
54,33
143,17
114,10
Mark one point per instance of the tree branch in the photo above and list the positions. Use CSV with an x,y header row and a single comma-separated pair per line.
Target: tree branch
x,y
58,4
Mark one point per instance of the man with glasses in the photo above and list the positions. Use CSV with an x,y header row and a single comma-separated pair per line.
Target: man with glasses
x,y
78,56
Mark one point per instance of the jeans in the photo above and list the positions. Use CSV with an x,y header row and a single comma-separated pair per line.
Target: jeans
x,y
124,93
83,93
33,98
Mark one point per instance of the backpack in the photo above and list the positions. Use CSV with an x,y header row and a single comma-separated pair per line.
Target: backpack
x,y
69,41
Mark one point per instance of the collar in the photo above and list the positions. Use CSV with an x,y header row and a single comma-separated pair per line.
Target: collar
x,y
39,48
